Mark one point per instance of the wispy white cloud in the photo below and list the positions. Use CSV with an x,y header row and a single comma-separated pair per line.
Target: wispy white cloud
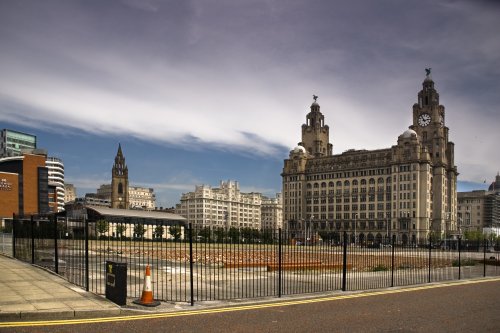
x,y
240,75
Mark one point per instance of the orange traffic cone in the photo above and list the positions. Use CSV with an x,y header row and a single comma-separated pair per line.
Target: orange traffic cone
x,y
147,292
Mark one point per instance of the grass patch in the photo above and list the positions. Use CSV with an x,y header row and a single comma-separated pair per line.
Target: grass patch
x,y
464,262
380,268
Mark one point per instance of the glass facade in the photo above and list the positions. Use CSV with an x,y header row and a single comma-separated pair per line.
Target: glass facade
x,y
12,142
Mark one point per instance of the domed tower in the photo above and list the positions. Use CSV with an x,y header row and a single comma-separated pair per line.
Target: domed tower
x,y
429,124
315,134
119,182
495,186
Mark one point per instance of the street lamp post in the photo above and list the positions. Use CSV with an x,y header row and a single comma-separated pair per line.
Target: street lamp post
x,y
305,228
387,225
305,232
447,216
355,225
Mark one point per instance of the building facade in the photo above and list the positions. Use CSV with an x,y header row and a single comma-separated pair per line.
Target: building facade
x,y
480,210
104,192
138,197
30,195
91,199
222,207
141,198
69,192
406,192
56,178
119,182
272,212
9,195
12,143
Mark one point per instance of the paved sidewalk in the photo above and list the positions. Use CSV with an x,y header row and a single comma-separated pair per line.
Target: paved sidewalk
x,y
28,292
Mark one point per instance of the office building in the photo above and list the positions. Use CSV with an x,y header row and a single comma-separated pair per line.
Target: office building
x,y
12,143
480,210
141,198
405,192
272,212
221,207
56,179
24,186
69,192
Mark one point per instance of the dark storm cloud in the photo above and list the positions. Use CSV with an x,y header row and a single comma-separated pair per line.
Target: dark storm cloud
x,y
227,72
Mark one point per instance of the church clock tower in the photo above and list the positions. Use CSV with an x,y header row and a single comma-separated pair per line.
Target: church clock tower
x,y
119,182
429,123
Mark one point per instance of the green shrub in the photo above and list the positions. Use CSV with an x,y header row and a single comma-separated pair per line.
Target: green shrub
x,y
464,262
380,268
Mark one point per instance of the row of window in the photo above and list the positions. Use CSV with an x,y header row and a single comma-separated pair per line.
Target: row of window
x,y
347,174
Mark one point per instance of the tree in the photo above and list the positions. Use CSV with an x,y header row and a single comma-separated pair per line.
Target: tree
x,y
121,229
139,230
473,235
246,235
234,234
326,235
267,236
102,227
62,228
158,231
434,237
175,232
204,234
220,234
250,235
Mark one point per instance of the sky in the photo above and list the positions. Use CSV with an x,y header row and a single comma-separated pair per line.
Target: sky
x,y
202,91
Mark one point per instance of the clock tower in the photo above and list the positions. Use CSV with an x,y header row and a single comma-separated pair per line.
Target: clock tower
x,y
315,134
429,124
119,182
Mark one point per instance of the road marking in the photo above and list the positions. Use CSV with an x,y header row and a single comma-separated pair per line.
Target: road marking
x,y
239,308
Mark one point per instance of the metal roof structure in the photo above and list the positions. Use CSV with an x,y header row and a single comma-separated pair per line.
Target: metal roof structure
x,y
134,216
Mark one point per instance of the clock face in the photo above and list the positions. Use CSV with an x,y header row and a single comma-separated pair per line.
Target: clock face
x,y
424,119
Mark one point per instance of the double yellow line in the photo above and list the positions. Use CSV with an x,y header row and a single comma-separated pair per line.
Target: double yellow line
x,y
237,308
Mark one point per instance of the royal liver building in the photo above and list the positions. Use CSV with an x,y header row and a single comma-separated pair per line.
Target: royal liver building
x,y
406,192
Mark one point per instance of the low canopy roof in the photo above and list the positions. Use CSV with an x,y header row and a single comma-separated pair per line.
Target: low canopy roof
x,y
133,216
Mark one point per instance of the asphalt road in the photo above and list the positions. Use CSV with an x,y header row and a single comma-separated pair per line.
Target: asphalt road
x,y
472,306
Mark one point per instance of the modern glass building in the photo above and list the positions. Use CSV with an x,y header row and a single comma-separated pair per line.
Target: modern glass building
x,y
13,142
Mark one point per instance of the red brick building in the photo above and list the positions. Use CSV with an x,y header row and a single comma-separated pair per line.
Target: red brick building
x,y
24,185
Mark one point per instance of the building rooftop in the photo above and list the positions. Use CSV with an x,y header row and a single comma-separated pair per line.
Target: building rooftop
x,y
136,214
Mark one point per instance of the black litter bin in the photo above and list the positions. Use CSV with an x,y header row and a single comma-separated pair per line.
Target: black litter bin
x,y
116,282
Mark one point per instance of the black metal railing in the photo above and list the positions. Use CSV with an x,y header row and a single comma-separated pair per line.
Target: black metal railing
x,y
195,264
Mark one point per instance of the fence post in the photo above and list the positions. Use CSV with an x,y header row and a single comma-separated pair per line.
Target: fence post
x,y
191,276
13,235
32,240
430,258
484,257
344,264
279,262
392,262
86,222
56,255
459,259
